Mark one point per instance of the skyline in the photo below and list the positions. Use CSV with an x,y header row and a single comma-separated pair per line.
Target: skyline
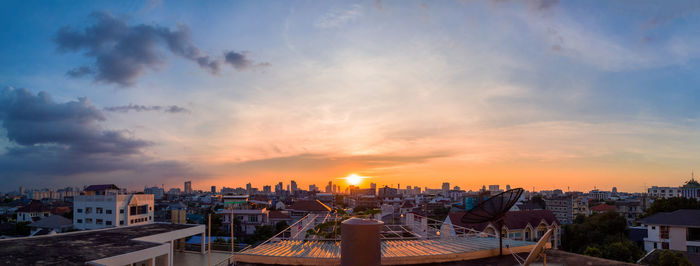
x,y
472,93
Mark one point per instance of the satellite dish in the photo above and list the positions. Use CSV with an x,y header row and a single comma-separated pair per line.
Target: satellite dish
x,y
494,210
539,248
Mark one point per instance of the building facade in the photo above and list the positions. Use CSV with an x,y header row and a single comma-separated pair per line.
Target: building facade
x,y
112,210
677,230
562,208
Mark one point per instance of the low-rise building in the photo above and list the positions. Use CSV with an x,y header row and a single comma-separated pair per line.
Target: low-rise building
x,y
518,225
107,208
677,230
34,211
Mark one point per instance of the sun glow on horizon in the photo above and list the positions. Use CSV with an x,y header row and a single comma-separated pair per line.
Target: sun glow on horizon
x,y
354,179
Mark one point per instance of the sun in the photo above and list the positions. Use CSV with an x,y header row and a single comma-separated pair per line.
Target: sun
x,y
354,179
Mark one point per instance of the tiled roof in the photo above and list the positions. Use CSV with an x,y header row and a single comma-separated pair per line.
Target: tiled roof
x,y
683,217
512,220
278,215
53,222
34,206
603,208
309,205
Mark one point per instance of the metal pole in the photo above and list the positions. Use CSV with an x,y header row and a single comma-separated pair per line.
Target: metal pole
x,y
232,242
209,244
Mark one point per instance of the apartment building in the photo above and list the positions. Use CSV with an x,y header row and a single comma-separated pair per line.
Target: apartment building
x,y
106,208
562,207
580,207
663,192
677,230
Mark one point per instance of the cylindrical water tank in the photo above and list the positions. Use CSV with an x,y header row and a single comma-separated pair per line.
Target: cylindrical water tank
x,y
360,243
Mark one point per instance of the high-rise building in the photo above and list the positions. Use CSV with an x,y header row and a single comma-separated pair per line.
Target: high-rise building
x,y
213,189
445,188
494,188
293,187
507,187
278,188
267,189
188,187
329,187
248,188
313,188
21,191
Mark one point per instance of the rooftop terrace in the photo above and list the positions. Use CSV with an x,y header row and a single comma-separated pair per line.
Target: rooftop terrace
x,y
77,248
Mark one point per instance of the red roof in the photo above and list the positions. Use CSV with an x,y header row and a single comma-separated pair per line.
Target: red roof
x,y
278,215
603,208
512,220
309,205
34,206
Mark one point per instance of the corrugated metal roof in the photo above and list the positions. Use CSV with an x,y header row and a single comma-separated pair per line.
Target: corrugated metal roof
x,y
390,248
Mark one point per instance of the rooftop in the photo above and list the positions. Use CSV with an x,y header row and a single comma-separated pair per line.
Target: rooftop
x,y
394,252
683,217
309,205
77,248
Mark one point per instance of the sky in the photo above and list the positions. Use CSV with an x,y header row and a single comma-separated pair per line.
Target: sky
x,y
536,94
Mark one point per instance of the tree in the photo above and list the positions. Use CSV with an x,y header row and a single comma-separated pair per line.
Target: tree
x,y
539,201
672,258
624,250
593,252
602,235
672,204
280,226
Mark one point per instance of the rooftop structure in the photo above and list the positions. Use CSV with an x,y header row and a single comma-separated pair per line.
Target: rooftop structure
x,y
315,240
150,243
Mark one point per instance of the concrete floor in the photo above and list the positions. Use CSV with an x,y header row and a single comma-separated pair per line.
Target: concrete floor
x,y
197,259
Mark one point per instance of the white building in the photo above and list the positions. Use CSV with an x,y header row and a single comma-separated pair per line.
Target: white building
x,y
663,192
112,210
677,230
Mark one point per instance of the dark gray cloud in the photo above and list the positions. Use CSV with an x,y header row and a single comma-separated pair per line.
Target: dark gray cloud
x,y
80,72
47,139
146,108
124,52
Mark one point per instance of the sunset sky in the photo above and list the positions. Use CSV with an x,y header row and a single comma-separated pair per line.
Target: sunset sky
x,y
543,94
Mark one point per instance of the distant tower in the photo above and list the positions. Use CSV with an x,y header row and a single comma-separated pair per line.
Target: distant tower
x,y
188,187
507,187
213,189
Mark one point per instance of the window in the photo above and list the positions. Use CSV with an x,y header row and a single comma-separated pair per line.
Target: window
x,y
88,220
99,210
88,210
693,249
98,221
136,210
653,228
79,221
108,211
79,210
664,245
693,234
655,245
663,234
108,222
253,218
121,210
121,222
150,218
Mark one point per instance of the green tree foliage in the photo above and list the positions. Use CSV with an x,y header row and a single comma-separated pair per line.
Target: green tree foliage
x,y
672,258
593,252
672,204
623,250
540,201
601,235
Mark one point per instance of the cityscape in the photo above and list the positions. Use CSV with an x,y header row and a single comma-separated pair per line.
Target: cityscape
x,y
351,133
